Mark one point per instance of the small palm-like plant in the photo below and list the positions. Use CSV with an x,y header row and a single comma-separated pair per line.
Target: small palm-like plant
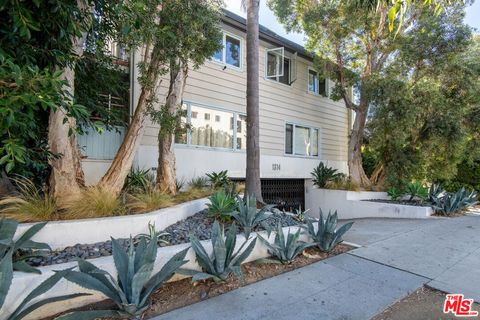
x,y
218,179
138,181
221,204
394,193
223,260
247,214
327,236
134,285
416,189
323,174
284,250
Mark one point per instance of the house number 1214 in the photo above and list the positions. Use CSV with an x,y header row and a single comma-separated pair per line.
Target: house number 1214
x,y
276,166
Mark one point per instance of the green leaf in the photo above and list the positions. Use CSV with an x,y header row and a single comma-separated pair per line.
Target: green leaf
x,y
25,242
6,275
91,314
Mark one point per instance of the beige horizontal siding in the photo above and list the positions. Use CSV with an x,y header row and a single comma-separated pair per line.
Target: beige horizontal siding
x,y
211,85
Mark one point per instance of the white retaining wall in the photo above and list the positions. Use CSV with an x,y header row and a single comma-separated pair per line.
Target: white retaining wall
x,y
349,204
24,283
61,234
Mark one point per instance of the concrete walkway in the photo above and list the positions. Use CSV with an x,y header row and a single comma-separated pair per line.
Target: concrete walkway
x,y
396,257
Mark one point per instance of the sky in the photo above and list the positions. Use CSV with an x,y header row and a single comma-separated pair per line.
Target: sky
x,y
268,19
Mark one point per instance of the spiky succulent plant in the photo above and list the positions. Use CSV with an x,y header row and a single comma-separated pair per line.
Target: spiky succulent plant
x,y
284,249
453,202
218,179
134,285
326,235
223,261
247,214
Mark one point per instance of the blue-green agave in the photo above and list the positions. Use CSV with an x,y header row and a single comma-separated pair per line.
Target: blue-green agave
x,y
247,214
134,285
326,236
223,260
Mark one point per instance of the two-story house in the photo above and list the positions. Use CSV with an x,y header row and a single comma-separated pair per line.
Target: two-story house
x,y
299,124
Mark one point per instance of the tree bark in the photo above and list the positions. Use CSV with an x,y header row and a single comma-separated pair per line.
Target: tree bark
x,y
115,177
355,167
166,157
253,183
67,175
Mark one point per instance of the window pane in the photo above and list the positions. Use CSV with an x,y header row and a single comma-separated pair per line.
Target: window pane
x,y
312,81
322,87
218,56
241,132
302,141
272,67
211,134
181,135
315,142
288,139
233,51
286,72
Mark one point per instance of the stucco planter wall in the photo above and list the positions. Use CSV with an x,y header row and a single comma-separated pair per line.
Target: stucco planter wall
x,y
350,204
61,234
24,283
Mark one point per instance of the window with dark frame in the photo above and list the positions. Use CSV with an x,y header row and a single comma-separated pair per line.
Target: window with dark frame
x,y
301,140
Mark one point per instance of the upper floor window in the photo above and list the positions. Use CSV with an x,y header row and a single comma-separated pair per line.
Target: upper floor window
x,y
316,84
301,140
231,52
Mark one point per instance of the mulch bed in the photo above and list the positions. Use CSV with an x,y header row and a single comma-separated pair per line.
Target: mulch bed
x,y
174,295
401,202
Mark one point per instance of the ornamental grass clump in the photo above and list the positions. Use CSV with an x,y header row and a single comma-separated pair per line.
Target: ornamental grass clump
x,y
150,199
134,284
92,202
30,204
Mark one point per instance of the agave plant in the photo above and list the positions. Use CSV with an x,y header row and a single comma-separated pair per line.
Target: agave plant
x,y
221,204
435,192
247,214
453,202
223,260
395,193
300,215
218,179
26,307
152,234
323,174
134,285
327,236
138,181
416,189
284,250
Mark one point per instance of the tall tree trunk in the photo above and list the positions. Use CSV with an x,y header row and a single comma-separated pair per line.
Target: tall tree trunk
x,y
166,156
115,177
253,184
355,167
67,175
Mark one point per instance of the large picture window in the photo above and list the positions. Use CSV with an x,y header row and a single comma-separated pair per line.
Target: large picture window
x,y
231,52
301,140
214,128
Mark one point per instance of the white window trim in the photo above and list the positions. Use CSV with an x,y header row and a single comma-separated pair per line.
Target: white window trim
x,y
224,52
271,79
207,106
312,128
327,87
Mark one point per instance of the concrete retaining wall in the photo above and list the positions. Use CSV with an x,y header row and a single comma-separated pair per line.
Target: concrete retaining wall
x,y
61,234
349,204
24,283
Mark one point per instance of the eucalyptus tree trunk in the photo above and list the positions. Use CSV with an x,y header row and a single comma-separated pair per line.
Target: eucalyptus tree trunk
x,y
355,167
115,177
166,135
66,175
253,184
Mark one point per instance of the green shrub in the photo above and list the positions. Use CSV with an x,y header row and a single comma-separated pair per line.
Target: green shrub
x,y
223,261
342,182
395,193
284,250
139,180
323,174
218,180
247,215
416,189
221,204
327,236
134,285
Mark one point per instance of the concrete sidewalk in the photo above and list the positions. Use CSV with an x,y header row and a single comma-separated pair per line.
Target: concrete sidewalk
x,y
342,287
397,257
